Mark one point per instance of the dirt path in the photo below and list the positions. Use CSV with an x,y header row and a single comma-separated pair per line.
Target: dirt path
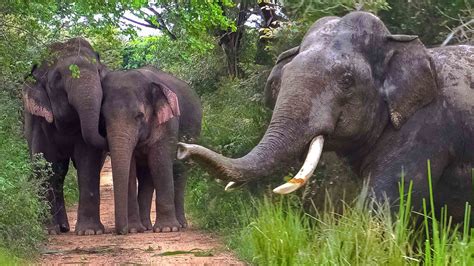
x,y
144,248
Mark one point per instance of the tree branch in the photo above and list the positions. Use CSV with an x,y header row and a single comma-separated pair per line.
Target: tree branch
x,y
456,30
162,23
148,24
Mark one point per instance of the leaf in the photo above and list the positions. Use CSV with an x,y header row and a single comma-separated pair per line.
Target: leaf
x,y
75,71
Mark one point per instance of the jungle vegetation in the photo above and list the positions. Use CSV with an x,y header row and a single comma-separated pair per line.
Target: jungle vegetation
x,y
225,50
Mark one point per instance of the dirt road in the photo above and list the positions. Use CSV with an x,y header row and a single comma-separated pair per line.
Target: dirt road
x,y
190,247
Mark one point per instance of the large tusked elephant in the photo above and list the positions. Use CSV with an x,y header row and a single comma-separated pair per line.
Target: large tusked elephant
x,y
62,110
382,101
146,110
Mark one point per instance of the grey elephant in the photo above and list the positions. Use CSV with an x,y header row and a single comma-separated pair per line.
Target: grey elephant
x,y
62,110
146,110
384,102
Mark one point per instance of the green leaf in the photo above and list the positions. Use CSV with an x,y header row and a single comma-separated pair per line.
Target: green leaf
x,y
75,71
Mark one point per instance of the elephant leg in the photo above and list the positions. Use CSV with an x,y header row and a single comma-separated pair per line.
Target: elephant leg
x,y
145,195
88,162
160,163
386,175
60,170
134,223
179,171
58,221
455,189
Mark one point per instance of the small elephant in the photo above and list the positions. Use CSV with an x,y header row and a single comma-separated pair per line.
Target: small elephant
x,y
383,102
62,110
146,110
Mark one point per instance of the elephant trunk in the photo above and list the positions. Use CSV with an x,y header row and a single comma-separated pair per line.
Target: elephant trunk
x,y
122,144
85,94
283,143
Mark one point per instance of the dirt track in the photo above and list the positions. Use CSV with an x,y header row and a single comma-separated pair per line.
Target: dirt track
x,y
144,248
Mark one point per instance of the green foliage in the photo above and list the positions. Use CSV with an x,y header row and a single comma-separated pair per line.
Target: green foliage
x,y
310,11
75,71
432,20
22,210
6,258
71,189
234,120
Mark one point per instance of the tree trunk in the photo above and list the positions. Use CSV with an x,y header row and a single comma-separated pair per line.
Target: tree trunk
x,y
270,22
230,41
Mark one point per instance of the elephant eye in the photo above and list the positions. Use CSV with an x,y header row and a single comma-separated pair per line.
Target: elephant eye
x,y
347,80
139,116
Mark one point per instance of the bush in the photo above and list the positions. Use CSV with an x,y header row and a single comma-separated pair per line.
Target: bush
x,y
22,210
234,121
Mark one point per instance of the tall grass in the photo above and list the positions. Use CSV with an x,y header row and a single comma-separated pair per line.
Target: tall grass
x,y
363,233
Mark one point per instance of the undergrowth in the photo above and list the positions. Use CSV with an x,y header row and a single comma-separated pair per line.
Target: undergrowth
x,y
21,210
364,233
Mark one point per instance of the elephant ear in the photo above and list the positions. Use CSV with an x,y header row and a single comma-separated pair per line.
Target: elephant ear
x,y
36,101
409,79
272,86
287,54
165,101
35,97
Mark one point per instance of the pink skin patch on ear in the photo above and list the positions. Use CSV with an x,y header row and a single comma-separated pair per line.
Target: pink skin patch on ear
x,y
170,110
35,109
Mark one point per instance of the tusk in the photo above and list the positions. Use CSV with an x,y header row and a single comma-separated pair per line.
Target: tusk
x,y
229,186
306,171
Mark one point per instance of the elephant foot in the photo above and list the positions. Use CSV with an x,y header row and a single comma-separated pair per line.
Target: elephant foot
x,y
89,228
182,221
53,229
136,227
147,224
64,227
166,225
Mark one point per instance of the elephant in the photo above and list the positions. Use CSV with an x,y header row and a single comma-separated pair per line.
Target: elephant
x,y
146,110
383,102
62,111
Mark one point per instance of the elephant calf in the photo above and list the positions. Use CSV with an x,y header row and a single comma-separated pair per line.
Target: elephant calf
x,y
383,102
146,111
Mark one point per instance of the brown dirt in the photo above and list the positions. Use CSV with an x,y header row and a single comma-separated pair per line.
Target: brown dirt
x,y
142,248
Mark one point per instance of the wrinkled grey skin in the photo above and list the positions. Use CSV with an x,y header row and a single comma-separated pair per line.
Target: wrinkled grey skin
x,y
144,148
384,102
61,121
319,31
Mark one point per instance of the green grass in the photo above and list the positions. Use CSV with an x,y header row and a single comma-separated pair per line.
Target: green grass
x,y
281,233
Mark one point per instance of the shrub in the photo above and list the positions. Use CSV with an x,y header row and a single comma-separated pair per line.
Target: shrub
x,y
22,210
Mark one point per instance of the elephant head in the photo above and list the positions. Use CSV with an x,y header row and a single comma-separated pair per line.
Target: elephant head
x,y
344,90
136,105
320,31
67,89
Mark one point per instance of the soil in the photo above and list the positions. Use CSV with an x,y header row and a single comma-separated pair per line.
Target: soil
x,y
188,247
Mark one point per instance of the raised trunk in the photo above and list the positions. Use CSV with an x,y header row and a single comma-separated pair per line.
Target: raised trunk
x,y
85,94
122,144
